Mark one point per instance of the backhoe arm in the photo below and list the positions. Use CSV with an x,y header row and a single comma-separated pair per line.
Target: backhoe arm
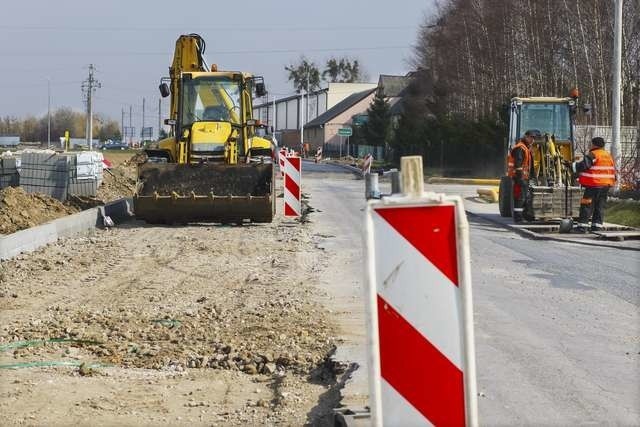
x,y
187,57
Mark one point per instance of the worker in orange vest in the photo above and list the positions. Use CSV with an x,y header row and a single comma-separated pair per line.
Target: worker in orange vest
x,y
520,162
597,174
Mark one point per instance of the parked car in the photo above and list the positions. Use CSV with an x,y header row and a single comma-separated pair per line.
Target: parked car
x,y
114,145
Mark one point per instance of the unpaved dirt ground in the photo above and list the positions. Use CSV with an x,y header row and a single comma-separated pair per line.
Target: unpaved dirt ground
x,y
195,325
120,180
20,210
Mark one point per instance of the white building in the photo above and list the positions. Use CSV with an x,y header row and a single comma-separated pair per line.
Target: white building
x,y
288,110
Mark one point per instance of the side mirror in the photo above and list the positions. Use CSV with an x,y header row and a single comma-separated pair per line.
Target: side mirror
x,y
169,122
261,90
164,90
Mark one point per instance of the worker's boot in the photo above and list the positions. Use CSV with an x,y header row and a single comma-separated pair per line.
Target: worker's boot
x,y
581,228
597,227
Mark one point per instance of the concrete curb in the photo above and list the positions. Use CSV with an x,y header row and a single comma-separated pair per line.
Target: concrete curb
x,y
467,181
537,236
81,223
352,169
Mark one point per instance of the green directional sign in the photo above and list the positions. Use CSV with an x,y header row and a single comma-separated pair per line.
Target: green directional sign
x,y
345,131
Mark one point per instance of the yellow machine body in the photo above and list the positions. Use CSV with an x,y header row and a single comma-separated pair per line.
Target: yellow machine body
x,y
212,167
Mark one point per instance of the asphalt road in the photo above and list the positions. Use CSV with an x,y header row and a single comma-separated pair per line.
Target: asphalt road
x,y
557,323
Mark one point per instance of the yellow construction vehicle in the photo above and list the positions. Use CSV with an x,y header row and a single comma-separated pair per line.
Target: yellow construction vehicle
x,y
213,167
554,193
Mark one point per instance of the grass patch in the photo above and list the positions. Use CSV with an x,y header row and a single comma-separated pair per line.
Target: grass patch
x,y
623,212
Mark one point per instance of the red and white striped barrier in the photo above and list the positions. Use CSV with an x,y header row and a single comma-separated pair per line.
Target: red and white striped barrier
x,y
366,164
420,316
292,187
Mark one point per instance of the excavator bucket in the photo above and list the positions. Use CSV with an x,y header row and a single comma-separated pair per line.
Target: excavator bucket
x,y
208,192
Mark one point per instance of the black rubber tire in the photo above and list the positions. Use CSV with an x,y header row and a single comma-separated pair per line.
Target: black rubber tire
x,y
504,197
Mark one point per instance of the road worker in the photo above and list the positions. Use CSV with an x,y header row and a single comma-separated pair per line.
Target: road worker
x,y
597,173
520,165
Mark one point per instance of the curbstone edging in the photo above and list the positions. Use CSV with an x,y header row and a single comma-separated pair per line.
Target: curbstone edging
x,y
78,224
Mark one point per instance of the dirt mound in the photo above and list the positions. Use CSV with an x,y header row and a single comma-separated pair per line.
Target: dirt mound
x,y
120,180
20,210
117,182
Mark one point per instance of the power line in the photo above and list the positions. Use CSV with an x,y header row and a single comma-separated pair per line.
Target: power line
x,y
221,52
53,84
273,28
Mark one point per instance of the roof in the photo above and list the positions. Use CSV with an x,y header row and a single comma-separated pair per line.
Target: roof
x,y
393,85
290,97
340,107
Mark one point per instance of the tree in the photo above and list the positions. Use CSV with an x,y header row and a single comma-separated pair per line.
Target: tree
x,y
110,129
377,130
342,70
304,73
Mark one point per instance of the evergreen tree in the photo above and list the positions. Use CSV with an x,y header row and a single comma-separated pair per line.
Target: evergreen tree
x,y
378,128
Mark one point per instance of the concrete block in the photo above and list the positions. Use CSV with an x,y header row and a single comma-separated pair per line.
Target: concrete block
x,y
84,187
119,210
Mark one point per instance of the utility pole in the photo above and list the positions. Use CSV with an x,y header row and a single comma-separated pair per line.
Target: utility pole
x,y
301,121
48,112
307,105
616,99
89,86
142,128
275,117
122,125
130,124
159,117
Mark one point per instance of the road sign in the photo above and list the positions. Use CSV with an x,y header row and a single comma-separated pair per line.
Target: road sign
x,y
345,131
129,131
146,133
422,369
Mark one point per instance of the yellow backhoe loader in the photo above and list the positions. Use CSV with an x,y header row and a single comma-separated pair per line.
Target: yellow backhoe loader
x,y
213,167
554,191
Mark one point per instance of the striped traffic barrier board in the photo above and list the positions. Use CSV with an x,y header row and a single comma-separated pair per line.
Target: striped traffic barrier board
x,y
422,360
292,188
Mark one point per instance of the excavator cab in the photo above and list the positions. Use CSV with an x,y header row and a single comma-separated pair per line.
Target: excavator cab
x,y
213,167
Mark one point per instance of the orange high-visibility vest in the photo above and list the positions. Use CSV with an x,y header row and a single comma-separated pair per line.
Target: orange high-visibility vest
x,y
526,164
602,173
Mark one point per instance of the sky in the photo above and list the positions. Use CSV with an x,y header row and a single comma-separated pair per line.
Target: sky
x,y
48,44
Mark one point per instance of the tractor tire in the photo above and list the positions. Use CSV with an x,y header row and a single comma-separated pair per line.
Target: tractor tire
x,y
505,196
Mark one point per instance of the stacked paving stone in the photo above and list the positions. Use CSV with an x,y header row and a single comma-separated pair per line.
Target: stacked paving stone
x,y
9,172
87,173
60,174
45,172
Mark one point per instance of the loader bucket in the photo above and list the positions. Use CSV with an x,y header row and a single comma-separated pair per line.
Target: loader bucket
x,y
209,192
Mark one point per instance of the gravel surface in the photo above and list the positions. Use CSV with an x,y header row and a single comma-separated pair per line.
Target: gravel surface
x,y
175,325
